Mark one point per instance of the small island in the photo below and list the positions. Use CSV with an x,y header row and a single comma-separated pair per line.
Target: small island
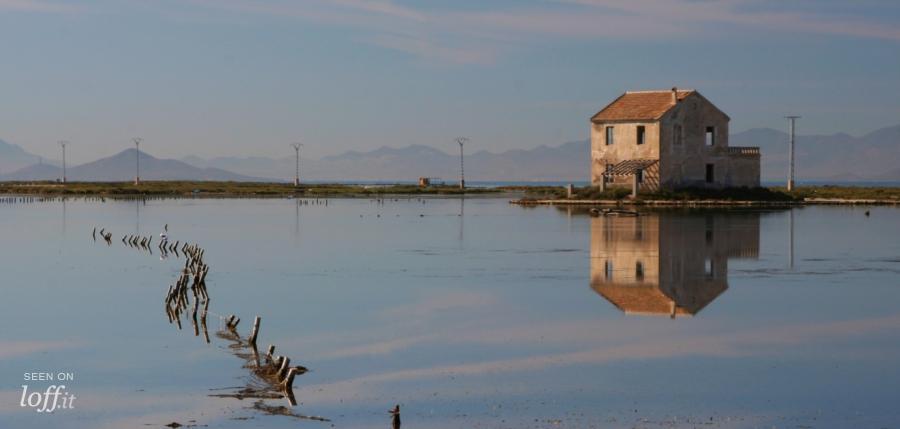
x,y
758,196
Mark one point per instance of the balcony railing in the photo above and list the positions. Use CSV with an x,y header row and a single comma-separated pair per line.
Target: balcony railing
x,y
743,150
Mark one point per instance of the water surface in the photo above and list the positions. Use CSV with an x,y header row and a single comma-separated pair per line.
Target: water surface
x,y
467,313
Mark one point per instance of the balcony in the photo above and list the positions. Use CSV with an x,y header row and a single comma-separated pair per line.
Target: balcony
x,y
743,151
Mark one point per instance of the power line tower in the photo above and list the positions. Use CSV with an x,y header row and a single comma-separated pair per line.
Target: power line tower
x,y
297,147
62,144
790,183
137,158
462,171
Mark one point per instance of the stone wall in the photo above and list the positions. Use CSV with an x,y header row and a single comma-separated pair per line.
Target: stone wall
x,y
624,145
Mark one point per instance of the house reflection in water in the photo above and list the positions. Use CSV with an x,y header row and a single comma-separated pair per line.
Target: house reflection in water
x,y
668,264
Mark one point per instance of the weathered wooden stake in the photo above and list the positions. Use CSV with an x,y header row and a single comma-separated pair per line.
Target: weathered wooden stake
x,y
282,371
289,380
252,339
277,362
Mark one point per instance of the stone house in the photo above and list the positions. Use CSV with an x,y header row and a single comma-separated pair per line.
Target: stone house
x,y
669,139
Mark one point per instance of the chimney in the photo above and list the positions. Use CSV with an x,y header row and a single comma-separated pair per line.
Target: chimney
x,y
674,95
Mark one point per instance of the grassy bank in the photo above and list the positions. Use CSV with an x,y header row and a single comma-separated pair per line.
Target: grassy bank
x,y
223,189
801,194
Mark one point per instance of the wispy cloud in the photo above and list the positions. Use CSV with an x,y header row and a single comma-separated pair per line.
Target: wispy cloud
x,y
480,36
679,17
430,50
384,7
35,6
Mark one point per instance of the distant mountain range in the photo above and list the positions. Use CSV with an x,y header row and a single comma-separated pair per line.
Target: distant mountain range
x,y
121,167
836,157
13,157
567,162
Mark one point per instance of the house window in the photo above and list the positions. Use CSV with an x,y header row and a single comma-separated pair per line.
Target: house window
x,y
639,270
609,136
608,270
710,136
708,268
710,173
676,135
640,134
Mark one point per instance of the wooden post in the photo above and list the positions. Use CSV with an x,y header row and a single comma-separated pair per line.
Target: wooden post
x,y
395,417
289,380
277,362
269,352
282,372
634,184
252,339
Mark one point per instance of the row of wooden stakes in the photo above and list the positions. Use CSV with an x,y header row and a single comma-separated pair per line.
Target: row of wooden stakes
x,y
276,371
188,296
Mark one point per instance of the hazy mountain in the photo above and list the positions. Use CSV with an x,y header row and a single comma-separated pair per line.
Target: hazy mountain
x,y
34,172
279,169
13,157
839,156
121,167
835,157
568,162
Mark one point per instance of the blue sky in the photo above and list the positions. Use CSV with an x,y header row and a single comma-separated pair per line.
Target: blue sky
x,y
247,77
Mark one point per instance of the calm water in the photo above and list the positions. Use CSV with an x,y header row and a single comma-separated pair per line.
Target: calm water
x,y
467,314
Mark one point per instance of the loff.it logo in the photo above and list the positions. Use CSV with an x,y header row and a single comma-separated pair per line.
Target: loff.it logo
x,y
54,397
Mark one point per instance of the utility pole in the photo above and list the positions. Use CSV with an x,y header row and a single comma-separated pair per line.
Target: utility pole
x,y
297,147
790,183
62,144
462,172
137,156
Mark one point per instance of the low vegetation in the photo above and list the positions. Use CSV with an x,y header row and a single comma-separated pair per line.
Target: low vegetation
x,y
531,193
880,193
773,194
224,189
730,194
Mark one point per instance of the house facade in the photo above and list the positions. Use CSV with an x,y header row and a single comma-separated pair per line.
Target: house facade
x,y
669,139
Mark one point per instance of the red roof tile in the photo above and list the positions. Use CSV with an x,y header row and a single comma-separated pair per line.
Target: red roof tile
x,y
639,105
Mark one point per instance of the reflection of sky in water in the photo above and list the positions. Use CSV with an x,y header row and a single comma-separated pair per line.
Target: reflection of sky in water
x,y
503,317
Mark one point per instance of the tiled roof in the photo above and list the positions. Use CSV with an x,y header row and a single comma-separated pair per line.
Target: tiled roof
x,y
640,105
627,167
